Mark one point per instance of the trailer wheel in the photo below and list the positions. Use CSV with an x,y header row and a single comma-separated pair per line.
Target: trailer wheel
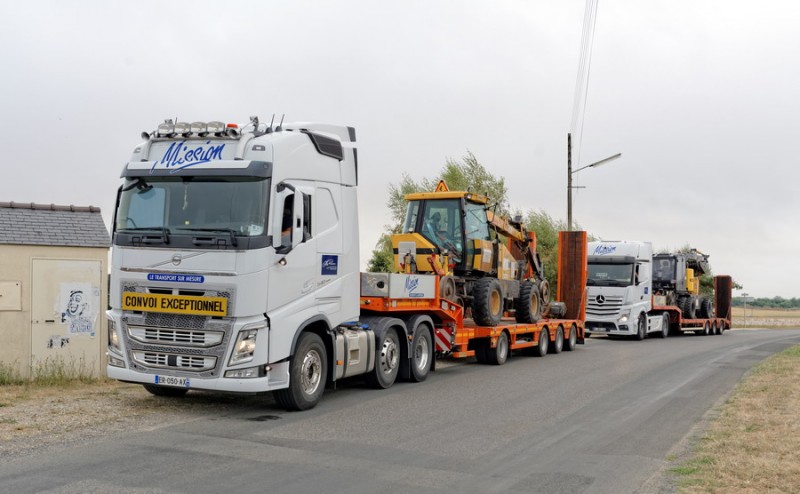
x,y
641,327
558,344
664,325
720,328
544,344
706,329
528,307
387,361
421,354
499,354
572,341
487,301
714,330
307,375
165,390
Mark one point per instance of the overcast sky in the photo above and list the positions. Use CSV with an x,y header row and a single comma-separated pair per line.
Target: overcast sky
x,y
700,97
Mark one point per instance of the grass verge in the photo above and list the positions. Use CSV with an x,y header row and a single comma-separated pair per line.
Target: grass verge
x,y
753,446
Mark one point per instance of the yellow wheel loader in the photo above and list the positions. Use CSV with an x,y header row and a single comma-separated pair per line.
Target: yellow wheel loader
x,y
488,264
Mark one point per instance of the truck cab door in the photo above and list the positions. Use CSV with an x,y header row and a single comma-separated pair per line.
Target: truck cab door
x,y
292,277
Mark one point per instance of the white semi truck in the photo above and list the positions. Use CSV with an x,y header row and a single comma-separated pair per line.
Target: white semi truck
x,y
235,268
619,290
621,300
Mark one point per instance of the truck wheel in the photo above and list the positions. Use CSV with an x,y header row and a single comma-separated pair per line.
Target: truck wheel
x,y
544,344
308,373
687,307
706,308
387,361
641,327
572,341
487,302
528,307
421,354
706,329
499,354
558,345
664,325
714,329
165,390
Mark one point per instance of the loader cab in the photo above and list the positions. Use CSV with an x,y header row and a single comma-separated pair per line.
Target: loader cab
x,y
447,223
669,273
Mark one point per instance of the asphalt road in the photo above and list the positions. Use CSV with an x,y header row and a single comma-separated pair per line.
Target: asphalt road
x,y
600,419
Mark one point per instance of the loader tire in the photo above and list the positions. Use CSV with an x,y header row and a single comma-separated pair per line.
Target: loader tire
x,y
706,308
528,306
487,302
687,307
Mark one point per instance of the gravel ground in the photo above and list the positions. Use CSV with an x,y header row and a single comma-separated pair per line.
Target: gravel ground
x,y
33,418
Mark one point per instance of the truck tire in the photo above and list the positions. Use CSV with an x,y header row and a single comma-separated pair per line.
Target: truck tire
x,y
487,302
706,308
706,329
641,327
558,345
572,341
308,373
544,344
528,306
664,325
714,329
421,354
387,361
499,354
687,307
165,390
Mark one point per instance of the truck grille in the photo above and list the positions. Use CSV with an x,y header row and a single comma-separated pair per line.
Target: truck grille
x,y
181,343
167,336
603,305
173,361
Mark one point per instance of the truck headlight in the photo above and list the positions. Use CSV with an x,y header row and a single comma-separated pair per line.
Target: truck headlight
x,y
245,345
623,318
113,337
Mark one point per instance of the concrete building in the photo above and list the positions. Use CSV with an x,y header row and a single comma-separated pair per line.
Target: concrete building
x,y
53,288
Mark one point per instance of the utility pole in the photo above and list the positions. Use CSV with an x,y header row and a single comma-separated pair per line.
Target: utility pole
x,y
569,182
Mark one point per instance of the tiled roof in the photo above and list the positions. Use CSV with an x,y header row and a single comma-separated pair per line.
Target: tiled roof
x,y
49,224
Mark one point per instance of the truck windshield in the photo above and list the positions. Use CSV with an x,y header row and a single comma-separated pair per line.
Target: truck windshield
x,y
234,206
610,274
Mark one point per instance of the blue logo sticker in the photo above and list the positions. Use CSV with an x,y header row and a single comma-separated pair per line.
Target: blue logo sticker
x,y
180,156
330,264
176,278
604,249
646,289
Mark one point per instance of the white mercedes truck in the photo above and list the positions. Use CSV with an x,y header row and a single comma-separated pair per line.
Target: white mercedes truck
x,y
619,290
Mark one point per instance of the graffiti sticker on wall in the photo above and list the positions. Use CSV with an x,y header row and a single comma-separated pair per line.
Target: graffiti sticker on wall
x,y
76,307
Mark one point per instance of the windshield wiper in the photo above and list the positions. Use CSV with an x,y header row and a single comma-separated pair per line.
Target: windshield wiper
x,y
229,231
163,230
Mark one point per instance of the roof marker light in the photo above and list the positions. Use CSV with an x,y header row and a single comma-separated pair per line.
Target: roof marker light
x,y
166,129
182,128
216,127
198,128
